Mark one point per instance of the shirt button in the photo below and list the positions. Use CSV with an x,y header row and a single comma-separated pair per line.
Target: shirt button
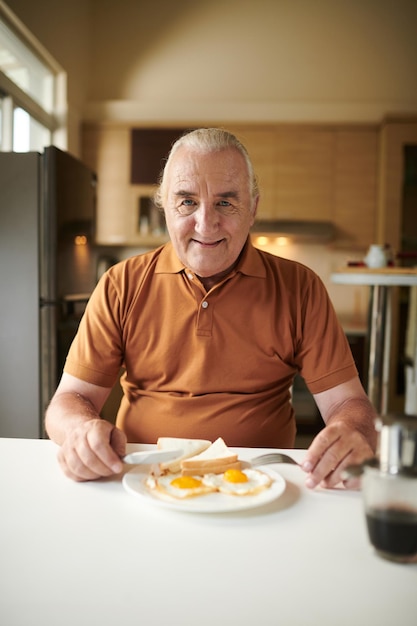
x,y
204,304
190,276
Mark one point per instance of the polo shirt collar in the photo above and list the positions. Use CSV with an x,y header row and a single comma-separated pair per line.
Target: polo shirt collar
x,y
250,262
168,262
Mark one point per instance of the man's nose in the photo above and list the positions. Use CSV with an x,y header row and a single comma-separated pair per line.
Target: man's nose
x,y
206,219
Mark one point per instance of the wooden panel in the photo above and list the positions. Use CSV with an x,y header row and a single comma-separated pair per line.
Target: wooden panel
x,y
304,183
355,192
149,149
107,150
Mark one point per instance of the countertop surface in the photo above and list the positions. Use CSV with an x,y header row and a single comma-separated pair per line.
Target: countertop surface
x,y
386,276
92,553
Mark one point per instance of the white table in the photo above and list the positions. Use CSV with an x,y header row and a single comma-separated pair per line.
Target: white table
x,y
90,553
381,281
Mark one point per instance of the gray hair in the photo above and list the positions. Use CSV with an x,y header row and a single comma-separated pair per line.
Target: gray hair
x,y
208,140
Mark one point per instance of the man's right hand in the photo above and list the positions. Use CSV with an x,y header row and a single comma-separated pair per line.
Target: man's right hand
x,y
92,450
91,447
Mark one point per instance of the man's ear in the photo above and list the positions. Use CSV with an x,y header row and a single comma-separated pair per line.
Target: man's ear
x,y
255,208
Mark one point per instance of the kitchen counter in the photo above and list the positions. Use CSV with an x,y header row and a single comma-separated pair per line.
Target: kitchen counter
x,y
376,276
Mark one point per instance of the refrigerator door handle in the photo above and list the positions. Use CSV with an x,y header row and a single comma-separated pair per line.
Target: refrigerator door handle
x,y
46,302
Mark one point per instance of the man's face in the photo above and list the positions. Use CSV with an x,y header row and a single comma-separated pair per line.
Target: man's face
x,y
208,208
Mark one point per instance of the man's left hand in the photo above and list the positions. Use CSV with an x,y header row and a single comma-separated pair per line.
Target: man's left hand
x,y
333,449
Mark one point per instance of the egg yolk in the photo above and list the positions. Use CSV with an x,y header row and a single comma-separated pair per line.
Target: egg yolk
x,y
235,476
186,482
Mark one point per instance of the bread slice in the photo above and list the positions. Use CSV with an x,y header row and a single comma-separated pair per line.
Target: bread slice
x,y
216,455
190,447
217,469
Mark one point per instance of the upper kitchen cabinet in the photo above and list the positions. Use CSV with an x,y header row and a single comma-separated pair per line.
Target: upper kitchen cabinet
x,y
127,162
318,173
294,166
355,186
106,149
304,173
149,149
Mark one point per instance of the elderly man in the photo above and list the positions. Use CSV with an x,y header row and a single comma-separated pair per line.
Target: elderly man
x,y
210,332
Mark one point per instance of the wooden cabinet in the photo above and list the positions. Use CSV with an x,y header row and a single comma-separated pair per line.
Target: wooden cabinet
x,y
355,186
120,205
305,173
106,151
294,168
318,173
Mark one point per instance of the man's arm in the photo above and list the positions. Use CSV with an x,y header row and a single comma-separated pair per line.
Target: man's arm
x,y
349,436
90,446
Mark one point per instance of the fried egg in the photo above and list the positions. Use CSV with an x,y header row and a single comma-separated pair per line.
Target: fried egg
x,y
178,486
238,482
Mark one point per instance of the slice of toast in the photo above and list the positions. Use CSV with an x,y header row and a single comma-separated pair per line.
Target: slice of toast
x,y
218,454
217,469
190,447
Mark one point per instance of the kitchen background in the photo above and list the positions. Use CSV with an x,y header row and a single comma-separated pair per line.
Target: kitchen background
x,y
324,94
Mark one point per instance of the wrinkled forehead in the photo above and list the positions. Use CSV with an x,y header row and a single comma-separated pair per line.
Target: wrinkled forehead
x,y
216,169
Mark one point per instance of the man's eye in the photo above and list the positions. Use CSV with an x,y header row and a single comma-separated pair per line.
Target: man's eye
x,y
186,206
226,207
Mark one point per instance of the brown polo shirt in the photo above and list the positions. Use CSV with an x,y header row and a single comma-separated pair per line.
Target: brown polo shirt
x,y
210,364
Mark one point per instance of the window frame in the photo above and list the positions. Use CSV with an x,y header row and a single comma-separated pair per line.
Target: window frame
x,y
12,96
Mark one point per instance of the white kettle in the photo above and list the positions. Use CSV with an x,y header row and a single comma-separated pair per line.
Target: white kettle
x,y
376,256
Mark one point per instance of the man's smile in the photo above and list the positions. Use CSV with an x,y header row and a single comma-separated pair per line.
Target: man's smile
x,y
207,244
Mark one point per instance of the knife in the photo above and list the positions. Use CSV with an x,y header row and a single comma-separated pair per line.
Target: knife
x,y
150,456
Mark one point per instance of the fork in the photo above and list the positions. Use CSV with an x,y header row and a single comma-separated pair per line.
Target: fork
x,y
273,457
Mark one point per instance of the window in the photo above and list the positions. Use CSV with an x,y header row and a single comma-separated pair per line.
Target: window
x,y
28,133
32,89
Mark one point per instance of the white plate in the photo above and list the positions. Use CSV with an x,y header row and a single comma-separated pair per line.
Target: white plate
x,y
134,483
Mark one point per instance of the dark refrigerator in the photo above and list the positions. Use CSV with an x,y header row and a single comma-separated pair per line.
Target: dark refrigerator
x,y
47,211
